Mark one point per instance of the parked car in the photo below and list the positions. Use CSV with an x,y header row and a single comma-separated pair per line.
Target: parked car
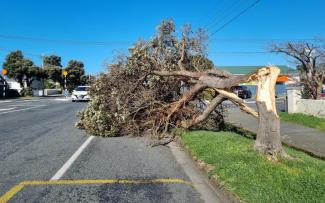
x,y
80,94
242,92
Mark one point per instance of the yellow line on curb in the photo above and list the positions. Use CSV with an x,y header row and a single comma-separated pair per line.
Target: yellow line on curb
x,y
14,190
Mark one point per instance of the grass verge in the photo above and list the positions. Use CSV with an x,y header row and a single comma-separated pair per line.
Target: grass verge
x,y
250,176
26,97
303,119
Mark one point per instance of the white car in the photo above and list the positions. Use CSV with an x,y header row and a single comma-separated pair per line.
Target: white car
x,y
81,94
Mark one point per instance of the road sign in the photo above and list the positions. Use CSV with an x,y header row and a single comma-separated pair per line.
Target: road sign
x,y
65,73
4,71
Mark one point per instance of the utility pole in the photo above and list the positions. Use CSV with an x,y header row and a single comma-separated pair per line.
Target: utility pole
x,y
65,82
4,82
42,79
65,73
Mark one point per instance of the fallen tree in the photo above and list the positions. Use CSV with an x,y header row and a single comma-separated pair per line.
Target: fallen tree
x,y
161,85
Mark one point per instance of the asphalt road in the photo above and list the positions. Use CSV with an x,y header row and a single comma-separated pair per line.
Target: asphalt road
x,y
280,104
38,138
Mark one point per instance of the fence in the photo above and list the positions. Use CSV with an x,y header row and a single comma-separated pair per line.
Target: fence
x,y
305,106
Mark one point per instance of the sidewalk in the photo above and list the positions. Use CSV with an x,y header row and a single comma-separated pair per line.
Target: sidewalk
x,y
298,136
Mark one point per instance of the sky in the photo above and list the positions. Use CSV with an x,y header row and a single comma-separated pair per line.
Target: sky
x,y
94,31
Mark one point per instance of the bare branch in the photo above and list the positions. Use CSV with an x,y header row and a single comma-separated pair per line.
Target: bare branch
x,y
210,108
183,73
234,98
180,61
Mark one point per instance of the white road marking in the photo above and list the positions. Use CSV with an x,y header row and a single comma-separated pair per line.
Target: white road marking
x,y
33,107
26,101
5,101
8,109
72,159
62,99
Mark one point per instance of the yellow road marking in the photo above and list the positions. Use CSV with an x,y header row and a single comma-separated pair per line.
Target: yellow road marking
x,y
110,181
6,197
14,190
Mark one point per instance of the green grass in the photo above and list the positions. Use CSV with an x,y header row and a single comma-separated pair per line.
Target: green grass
x,y
251,177
303,119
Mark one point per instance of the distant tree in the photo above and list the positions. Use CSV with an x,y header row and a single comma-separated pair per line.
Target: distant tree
x,y
88,79
76,74
13,63
29,71
53,67
309,59
20,68
52,60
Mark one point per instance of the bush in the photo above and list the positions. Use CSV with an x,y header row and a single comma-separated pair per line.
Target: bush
x,y
96,121
27,92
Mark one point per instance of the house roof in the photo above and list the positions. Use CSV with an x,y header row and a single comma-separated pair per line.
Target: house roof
x,y
285,70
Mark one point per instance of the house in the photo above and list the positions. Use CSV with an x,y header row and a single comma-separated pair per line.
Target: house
x,y
13,84
287,76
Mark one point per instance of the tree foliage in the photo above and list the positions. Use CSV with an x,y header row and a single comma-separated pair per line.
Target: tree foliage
x,y
161,84
53,67
21,68
130,100
24,70
76,74
52,60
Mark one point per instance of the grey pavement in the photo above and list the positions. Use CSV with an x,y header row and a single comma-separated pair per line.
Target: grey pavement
x,y
37,142
307,139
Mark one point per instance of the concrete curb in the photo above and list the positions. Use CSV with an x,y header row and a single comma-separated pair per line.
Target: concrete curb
x,y
206,168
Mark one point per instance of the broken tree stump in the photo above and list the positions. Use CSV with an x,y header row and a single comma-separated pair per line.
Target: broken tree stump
x,y
268,140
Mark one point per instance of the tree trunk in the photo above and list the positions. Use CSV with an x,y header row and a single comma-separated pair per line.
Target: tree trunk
x,y
268,140
319,90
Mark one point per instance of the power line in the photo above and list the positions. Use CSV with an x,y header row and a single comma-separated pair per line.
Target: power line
x,y
217,7
263,39
226,14
25,53
241,52
236,17
63,41
82,42
264,42
223,7
216,52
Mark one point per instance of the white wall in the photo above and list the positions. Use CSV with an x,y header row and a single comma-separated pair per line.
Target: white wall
x,y
305,106
51,92
14,85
